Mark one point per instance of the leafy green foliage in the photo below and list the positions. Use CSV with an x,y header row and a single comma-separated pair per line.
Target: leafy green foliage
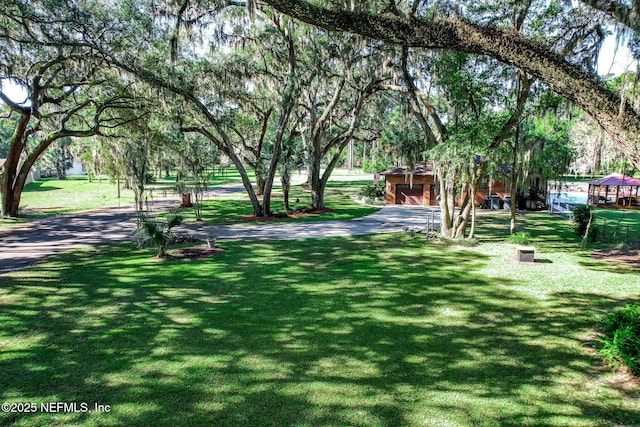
x,y
372,190
153,233
7,126
581,216
404,136
58,157
522,238
621,343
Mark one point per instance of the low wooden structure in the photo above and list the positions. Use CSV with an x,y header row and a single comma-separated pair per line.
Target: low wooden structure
x,y
419,187
404,187
614,191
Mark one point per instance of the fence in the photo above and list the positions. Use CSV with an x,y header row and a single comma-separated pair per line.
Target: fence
x,y
613,232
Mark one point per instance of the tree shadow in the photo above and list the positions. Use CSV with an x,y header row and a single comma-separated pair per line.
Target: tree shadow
x,y
336,331
38,186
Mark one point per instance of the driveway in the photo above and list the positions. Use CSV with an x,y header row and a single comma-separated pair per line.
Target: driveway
x,y
22,246
389,219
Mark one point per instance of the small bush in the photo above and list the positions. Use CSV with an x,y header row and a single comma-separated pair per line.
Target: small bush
x,y
522,238
373,191
581,216
149,178
151,232
621,343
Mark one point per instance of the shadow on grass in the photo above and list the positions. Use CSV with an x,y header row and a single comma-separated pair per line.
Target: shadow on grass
x,y
609,266
38,186
374,330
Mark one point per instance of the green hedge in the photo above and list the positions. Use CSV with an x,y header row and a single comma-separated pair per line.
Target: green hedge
x,y
622,341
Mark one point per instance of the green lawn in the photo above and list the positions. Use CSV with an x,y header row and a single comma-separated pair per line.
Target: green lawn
x,y
375,331
618,225
49,197
232,208
76,193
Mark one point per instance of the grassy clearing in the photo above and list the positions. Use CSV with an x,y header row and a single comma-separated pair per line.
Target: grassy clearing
x,y
50,197
376,330
76,193
231,208
612,227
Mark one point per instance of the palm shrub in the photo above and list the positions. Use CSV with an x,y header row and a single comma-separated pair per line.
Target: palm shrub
x,y
157,234
621,343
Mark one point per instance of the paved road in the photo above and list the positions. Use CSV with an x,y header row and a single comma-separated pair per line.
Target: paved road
x,y
22,246
389,219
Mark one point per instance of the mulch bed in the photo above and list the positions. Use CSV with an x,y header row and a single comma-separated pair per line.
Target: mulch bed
x,y
623,256
195,253
253,218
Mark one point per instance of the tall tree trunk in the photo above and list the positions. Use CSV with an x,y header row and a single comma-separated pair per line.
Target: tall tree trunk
x,y
447,199
285,179
514,182
468,205
288,105
472,232
11,197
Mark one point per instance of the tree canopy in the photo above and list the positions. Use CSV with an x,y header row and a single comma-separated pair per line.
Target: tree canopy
x,y
256,82
557,60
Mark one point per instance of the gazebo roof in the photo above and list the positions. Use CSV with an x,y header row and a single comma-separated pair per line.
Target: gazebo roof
x,y
615,180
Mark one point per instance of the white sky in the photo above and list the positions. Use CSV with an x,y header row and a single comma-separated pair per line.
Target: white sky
x,y
14,91
612,61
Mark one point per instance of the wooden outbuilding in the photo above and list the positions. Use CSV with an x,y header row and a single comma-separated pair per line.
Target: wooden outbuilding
x,y
410,188
419,187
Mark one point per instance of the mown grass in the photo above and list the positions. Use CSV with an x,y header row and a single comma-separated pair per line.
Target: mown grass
x,y
50,197
76,193
617,225
375,331
233,208
614,226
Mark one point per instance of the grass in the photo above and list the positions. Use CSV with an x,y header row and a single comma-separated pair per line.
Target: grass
x,y
232,208
618,225
50,197
547,229
378,330
75,193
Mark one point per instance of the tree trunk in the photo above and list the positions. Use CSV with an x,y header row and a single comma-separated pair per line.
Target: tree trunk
x,y
468,205
472,232
8,186
317,191
447,200
514,182
62,173
285,179
260,181
289,103
257,207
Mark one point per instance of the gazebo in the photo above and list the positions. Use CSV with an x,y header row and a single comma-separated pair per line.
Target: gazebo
x,y
614,190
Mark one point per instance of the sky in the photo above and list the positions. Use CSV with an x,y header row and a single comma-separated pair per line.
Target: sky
x,y
612,61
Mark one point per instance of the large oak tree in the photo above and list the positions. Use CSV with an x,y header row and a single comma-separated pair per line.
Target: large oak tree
x,y
537,57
